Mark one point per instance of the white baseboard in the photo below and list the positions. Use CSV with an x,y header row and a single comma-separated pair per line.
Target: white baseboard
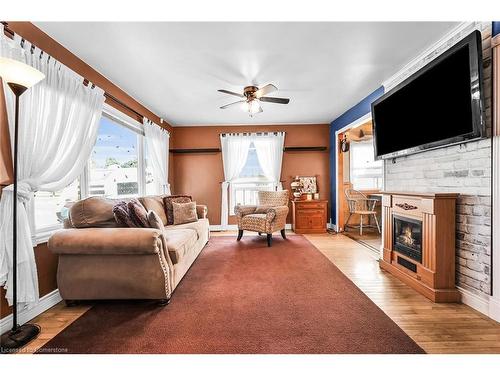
x,y
220,228
45,303
494,309
331,226
478,303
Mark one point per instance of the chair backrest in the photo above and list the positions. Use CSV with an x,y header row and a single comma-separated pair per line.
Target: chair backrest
x,y
354,194
356,200
273,198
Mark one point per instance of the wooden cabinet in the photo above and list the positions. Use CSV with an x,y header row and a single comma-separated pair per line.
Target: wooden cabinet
x,y
309,216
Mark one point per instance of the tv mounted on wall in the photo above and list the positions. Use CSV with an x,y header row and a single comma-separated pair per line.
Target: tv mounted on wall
x,y
439,105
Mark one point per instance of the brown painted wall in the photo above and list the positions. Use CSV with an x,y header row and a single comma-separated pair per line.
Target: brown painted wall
x,y
47,268
200,175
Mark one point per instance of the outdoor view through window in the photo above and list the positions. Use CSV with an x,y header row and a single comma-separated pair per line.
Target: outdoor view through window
x,y
250,181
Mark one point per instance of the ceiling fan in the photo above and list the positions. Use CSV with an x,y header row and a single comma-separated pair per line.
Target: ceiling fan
x,y
252,96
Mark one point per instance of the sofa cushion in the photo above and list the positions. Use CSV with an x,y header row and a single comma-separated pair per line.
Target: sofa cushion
x,y
138,213
94,212
169,210
155,203
201,226
180,242
184,212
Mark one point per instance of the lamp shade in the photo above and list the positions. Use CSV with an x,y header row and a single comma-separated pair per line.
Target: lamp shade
x,y
13,71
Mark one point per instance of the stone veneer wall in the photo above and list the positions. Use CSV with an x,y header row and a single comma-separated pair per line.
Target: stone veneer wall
x,y
464,169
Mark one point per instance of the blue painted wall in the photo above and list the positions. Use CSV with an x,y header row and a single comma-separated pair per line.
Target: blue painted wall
x,y
496,28
352,114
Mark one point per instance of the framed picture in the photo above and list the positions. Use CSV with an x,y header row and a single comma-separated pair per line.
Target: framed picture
x,y
308,184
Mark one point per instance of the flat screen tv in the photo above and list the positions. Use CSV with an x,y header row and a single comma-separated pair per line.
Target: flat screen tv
x,y
439,105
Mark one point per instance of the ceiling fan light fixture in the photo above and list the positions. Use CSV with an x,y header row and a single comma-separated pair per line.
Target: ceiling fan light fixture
x,y
253,107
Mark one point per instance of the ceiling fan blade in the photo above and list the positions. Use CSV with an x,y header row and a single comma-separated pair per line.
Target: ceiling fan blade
x,y
265,90
231,93
274,100
231,104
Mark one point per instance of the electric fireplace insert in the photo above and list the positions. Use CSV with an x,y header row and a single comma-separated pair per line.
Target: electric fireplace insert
x,y
407,237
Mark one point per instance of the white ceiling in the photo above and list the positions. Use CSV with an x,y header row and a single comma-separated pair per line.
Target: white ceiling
x,y
175,69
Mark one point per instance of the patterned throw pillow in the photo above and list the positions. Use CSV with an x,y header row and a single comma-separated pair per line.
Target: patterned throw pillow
x,y
121,214
184,212
169,210
138,213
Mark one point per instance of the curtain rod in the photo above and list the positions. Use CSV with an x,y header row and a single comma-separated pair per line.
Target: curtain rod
x,y
246,134
107,95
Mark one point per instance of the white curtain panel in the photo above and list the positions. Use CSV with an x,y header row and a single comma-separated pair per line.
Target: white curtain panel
x,y
58,124
269,149
157,141
234,155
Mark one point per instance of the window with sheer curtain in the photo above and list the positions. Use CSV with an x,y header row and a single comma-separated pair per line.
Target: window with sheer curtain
x,y
251,180
118,168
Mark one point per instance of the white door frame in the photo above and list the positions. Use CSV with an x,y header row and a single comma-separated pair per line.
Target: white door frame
x,y
353,124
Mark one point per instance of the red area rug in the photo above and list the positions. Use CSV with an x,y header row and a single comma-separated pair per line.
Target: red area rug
x,y
243,297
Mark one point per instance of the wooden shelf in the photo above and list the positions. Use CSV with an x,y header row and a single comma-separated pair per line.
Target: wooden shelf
x,y
195,151
306,148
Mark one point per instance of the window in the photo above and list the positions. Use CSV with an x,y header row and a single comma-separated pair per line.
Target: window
x,y
365,172
118,168
113,167
52,208
245,188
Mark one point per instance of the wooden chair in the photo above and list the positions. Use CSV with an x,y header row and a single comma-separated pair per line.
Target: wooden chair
x,y
362,205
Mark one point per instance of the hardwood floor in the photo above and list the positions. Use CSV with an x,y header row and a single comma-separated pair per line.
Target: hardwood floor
x,y
437,328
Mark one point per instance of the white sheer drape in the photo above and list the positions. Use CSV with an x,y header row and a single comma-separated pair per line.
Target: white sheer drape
x,y
58,124
269,149
234,155
157,141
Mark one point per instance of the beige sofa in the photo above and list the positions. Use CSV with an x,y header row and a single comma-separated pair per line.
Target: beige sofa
x,y
99,260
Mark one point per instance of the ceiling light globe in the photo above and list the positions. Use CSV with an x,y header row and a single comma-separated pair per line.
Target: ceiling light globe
x,y
13,71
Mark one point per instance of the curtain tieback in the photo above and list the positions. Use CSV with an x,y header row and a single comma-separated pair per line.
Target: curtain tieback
x,y
24,191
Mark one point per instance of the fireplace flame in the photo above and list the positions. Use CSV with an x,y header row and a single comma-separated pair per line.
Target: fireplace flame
x,y
406,236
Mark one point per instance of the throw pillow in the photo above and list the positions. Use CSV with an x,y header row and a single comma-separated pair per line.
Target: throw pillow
x,y
138,213
169,210
184,212
121,214
262,209
155,203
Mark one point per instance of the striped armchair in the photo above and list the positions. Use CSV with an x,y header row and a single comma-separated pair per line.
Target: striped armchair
x,y
267,217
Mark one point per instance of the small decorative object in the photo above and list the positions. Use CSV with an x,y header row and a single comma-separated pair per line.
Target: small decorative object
x,y
308,184
296,186
316,196
309,196
344,144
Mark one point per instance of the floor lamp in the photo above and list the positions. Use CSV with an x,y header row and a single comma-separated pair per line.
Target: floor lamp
x,y
19,77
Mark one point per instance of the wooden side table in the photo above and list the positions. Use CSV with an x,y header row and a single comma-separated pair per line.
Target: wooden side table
x,y
309,216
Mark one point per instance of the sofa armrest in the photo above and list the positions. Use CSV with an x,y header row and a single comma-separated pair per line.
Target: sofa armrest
x,y
201,211
116,241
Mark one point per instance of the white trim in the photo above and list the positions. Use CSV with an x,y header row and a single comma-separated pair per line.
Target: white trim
x,y
45,303
351,125
475,301
120,117
249,125
432,52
